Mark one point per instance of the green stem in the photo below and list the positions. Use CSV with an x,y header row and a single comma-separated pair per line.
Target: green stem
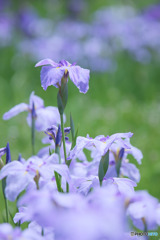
x,y
57,176
57,150
5,199
33,135
63,138
6,207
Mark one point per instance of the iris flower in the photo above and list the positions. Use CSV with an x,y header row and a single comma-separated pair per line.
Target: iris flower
x,y
44,116
52,73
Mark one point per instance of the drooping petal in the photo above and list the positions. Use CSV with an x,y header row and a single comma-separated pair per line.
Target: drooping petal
x,y
117,136
124,185
51,76
15,111
21,216
38,102
11,168
45,118
2,151
80,77
131,171
15,184
137,154
47,61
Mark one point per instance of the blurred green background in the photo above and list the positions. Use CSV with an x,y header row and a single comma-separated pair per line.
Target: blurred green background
x,y
125,100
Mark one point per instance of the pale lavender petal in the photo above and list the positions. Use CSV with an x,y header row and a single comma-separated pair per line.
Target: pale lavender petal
x,y
137,154
124,185
31,235
7,232
131,171
115,137
44,151
15,184
38,102
80,77
47,61
11,168
158,214
83,142
51,76
45,118
143,205
48,171
22,215
2,151
15,111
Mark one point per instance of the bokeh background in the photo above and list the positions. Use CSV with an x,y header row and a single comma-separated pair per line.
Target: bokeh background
x,y
119,43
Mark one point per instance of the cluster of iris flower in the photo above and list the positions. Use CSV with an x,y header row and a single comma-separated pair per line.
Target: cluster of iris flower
x,y
108,32
60,193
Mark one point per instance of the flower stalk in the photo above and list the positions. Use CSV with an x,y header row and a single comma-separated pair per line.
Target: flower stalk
x,y
5,199
33,113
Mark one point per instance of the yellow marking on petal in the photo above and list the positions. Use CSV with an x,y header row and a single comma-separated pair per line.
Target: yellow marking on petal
x,y
25,172
66,71
50,134
117,152
40,165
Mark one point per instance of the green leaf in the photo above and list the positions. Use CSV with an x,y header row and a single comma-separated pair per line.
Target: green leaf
x,y
74,135
4,186
118,166
75,138
103,166
72,127
58,181
50,152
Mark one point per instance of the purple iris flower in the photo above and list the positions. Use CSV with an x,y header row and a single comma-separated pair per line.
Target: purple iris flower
x,y
2,151
101,213
6,150
53,73
99,145
7,232
28,170
142,208
44,116
55,133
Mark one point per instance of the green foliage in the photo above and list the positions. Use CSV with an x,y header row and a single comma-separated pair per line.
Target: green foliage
x,y
103,167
